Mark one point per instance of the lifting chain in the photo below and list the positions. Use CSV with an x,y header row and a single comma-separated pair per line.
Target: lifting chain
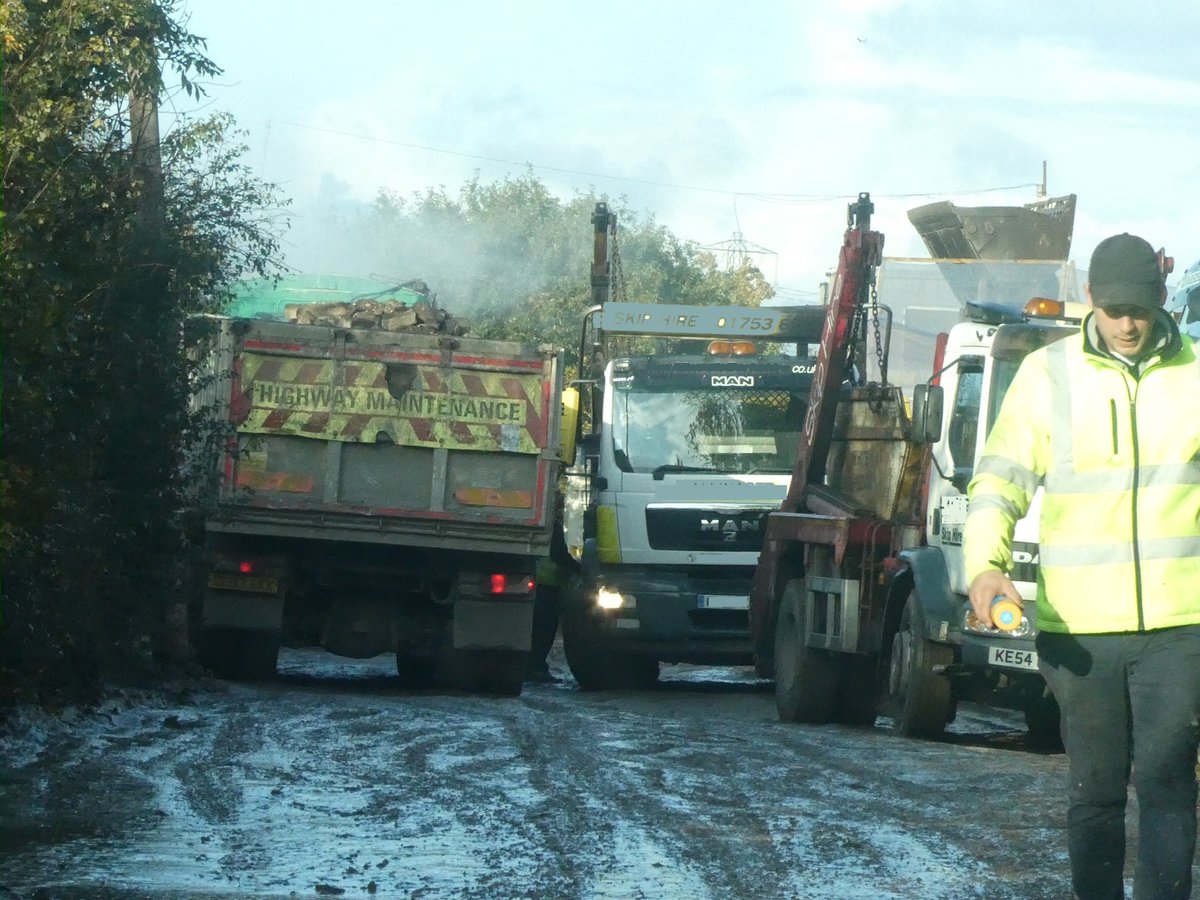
x,y
877,391
880,357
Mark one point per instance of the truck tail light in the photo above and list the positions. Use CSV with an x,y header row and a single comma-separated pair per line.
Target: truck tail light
x,y
246,567
501,583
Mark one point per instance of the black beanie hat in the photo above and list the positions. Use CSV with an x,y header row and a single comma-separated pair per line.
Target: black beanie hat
x,y
1125,271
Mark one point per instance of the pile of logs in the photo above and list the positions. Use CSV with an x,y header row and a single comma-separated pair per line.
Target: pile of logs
x,y
384,315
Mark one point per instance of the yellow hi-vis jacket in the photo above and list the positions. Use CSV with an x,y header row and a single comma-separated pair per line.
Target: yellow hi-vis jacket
x,y
1118,457
550,573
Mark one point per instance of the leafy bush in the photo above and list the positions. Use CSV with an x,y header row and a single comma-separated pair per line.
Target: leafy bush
x,y
102,259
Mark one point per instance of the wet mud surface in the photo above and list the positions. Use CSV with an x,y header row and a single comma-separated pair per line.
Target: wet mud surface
x,y
333,780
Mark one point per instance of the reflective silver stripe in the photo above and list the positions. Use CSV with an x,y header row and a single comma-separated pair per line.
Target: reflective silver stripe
x,y
1085,555
1107,481
993,501
1062,441
1007,470
1169,474
1174,548
1121,480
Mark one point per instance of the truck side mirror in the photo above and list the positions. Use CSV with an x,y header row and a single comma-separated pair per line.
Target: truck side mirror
x,y
927,403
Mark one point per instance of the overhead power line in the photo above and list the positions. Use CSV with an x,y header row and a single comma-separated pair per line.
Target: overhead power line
x,y
765,196
738,251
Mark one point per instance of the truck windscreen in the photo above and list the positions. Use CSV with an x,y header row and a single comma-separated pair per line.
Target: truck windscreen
x,y
722,429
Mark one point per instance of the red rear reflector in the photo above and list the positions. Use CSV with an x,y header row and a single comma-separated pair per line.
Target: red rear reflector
x,y
245,567
499,583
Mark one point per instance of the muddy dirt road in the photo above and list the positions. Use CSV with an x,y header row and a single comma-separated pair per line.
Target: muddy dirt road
x,y
334,781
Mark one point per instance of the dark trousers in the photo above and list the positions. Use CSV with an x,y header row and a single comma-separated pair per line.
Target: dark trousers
x,y
1130,705
545,627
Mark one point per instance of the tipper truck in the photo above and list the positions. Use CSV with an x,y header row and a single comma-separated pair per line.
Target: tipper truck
x,y
384,484
859,600
692,417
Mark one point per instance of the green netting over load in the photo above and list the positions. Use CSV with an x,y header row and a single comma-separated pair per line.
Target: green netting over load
x,y
260,299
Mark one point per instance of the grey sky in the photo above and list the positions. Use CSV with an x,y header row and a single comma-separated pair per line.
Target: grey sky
x,y
720,117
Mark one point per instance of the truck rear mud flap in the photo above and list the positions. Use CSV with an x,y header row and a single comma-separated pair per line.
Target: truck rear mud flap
x,y
493,625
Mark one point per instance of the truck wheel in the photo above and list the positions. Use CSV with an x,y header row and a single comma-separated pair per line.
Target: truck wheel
x,y
498,672
920,700
239,654
598,669
214,651
764,653
860,692
260,655
637,673
415,671
806,679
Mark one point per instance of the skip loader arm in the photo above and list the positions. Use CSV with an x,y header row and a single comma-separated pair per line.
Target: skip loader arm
x,y
860,255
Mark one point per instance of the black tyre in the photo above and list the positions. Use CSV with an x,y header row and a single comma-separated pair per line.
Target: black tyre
x,y
859,704
238,654
764,651
639,673
425,641
216,651
807,680
260,655
920,699
415,671
598,669
498,672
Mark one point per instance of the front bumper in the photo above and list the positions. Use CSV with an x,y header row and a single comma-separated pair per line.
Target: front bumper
x,y
673,616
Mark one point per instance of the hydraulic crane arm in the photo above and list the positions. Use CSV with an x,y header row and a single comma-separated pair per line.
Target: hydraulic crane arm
x,y
861,254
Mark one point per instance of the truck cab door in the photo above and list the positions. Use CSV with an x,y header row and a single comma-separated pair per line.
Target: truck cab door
x,y
955,454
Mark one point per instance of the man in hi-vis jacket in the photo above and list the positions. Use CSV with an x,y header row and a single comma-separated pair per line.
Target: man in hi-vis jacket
x,y
1106,423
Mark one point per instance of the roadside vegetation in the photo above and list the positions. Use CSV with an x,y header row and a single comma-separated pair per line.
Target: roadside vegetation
x,y
109,241
101,258
514,260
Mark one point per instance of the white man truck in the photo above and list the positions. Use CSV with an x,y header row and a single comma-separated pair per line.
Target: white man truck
x,y
859,602
381,484
692,418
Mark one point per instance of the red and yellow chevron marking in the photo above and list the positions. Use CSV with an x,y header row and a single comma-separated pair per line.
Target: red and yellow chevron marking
x,y
254,472
421,406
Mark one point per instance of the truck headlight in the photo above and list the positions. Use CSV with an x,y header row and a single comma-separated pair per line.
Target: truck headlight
x,y
607,598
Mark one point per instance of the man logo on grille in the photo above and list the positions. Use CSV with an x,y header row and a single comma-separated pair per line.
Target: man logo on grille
x,y
729,528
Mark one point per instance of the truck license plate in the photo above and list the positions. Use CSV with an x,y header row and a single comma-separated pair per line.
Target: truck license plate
x,y
722,601
1013,658
254,584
